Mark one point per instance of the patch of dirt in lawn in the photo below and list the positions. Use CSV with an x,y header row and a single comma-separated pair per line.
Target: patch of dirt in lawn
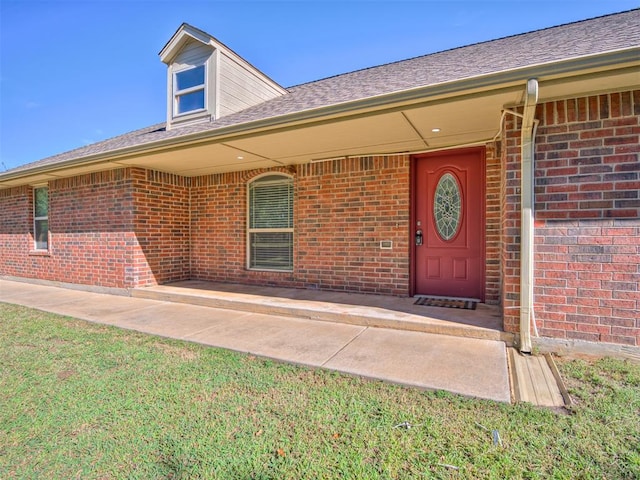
x,y
180,352
64,374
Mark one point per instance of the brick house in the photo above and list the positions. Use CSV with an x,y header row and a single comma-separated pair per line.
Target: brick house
x,y
505,171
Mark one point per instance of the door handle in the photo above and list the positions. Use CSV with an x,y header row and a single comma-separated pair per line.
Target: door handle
x,y
419,237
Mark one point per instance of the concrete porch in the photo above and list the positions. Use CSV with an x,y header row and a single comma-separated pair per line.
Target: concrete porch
x,y
398,313
531,377
425,351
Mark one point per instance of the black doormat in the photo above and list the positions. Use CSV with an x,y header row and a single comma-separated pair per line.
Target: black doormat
x,y
447,302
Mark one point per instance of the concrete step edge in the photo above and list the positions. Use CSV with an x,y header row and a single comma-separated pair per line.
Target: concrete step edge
x,y
322,314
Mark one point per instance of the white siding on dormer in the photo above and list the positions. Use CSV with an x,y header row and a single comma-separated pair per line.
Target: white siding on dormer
x,y
240,87
192,54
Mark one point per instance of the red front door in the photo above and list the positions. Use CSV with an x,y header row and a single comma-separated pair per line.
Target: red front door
x,y
449,224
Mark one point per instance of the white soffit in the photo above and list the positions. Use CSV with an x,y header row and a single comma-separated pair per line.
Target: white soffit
x,y
460,122
199,160
468,120
358,133
624,79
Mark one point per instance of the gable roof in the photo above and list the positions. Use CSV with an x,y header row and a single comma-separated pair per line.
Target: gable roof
x,y
557,50
181,37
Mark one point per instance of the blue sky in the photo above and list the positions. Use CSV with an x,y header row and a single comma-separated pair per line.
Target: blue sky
x,y
76,72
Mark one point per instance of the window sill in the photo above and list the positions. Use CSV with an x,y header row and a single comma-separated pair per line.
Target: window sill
x,y
193,113
268,270
39,253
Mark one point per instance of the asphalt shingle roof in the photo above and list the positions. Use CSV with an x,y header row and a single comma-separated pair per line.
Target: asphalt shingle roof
x,y
555,44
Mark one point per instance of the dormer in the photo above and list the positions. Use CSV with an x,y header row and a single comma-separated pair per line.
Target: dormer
x,y
206,80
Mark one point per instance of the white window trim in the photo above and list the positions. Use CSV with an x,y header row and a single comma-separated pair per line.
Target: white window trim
x,y
40,218
185,91
265,230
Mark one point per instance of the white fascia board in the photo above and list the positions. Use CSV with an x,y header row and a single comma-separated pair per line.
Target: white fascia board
x,y
185,33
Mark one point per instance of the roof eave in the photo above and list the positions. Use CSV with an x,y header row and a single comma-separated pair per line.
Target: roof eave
x,y
487,82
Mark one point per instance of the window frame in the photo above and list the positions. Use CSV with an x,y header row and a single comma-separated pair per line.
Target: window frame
x,y
284,178
40,218
185,91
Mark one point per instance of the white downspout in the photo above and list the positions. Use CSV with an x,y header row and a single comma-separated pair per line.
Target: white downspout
x,y
527,145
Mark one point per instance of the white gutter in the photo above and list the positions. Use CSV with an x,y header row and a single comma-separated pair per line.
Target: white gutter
x,y
527,151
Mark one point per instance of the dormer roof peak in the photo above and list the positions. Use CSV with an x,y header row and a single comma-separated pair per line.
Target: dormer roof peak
x,y
187,33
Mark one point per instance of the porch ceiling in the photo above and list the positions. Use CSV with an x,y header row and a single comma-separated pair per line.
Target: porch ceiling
x,y
468,118
465,119
400,129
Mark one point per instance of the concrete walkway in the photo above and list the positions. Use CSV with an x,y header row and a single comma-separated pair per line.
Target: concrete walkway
x,y
474,367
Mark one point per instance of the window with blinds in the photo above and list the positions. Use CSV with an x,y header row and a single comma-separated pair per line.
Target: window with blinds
x,y
270,225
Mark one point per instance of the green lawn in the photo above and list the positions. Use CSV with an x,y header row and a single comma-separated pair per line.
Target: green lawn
x,y
79,400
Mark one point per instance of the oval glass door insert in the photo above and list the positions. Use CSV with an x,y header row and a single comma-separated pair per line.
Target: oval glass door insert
x,y
447,207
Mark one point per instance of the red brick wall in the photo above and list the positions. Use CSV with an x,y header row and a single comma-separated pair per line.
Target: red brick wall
x,y
492,226
345,208
587,158
16,227
136,227
342,210
93,237
218,230
161,219
89,228
587,219
587,277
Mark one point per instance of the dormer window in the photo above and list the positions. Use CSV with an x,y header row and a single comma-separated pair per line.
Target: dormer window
x,y
206,80
189,95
